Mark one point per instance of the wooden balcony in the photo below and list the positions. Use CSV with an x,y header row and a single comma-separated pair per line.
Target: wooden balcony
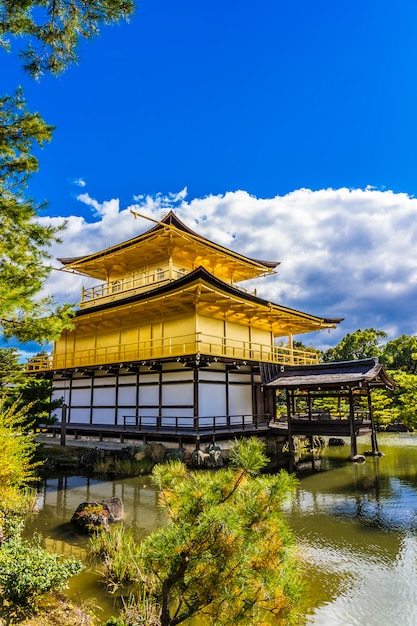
x,y
171,348
133,285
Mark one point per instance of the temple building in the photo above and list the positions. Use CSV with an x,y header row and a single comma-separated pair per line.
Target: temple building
x,y
169,338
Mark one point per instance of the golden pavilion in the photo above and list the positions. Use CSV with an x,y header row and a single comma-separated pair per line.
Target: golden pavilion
x,y
168,338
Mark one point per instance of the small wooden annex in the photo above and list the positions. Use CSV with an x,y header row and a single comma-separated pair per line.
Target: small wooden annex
x,y
168,339
348,380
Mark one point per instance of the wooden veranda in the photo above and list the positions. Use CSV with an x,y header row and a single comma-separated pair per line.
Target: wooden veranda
x,y
350,381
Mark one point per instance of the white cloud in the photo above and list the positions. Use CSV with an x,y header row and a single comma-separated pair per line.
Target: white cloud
x,y
80,182
344,252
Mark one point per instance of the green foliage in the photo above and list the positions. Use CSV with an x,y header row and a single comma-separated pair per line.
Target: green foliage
x,y
401,354
248,455
142,613
122,467
385,409
360,344
11,371
27,570
17,448
119,555
400,357
226,552
404,397
24,240
25,391
35,393
52,29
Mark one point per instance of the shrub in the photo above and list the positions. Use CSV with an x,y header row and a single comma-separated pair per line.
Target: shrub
x,y
17,468
27,571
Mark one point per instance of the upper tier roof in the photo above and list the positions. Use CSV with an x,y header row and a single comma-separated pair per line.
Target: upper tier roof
x,y
212,298
170,233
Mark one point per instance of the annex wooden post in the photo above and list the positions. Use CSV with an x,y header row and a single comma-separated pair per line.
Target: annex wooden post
x,y
353,446
290,441
374,441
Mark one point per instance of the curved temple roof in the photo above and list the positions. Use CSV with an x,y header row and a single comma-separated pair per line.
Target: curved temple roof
x,y
172,233
363,372
212,297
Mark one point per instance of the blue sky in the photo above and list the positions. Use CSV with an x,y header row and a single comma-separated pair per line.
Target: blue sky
x,y
291,125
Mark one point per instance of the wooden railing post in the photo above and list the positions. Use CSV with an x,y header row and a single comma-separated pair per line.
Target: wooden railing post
x,y
63,424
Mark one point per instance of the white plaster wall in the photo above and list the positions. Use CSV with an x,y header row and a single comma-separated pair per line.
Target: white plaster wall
x,y
103,416
80,397
211,400
178,394
240,402
211,375
104,396
127,396
149,395
178,375
81,416
104,380
130,412
81,382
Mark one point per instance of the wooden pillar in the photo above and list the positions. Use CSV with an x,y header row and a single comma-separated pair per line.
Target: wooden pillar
x,y
353,446
196,404
63,424
289,429
291,347
91,397
373,430
310,418
159,418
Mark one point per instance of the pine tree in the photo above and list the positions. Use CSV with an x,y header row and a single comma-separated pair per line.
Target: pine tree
x,y
24,240
226,552
50,31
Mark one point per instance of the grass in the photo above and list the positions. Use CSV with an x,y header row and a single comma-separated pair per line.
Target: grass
x,y
118,554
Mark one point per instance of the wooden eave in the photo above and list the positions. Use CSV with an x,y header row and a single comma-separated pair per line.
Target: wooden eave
x,y
327,376
175,237
202,293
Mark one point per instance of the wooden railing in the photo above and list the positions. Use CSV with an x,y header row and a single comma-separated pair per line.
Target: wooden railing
x,y
198,343
131,285
212,424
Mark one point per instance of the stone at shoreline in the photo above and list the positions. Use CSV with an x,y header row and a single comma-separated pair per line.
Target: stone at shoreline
x,y
157,452
335,441
358,458
94,516
398,427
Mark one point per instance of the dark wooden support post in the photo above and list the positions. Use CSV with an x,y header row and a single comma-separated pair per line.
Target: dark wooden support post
x,y
63,424
353,446
293,403
290,441
159,418
310,418
373,430
196,403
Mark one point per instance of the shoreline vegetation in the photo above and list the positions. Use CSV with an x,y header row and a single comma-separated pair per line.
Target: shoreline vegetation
x,y
228,499
218,522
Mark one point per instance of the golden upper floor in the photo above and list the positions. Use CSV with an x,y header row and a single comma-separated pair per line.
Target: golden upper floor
x,y
162,254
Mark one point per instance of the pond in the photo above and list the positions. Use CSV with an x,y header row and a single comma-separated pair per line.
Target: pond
x,y
355,524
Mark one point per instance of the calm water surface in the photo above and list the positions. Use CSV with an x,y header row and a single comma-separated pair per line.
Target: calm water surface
x,y
355,524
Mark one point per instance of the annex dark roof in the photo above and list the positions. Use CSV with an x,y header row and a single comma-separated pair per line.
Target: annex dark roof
x,y
362,372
